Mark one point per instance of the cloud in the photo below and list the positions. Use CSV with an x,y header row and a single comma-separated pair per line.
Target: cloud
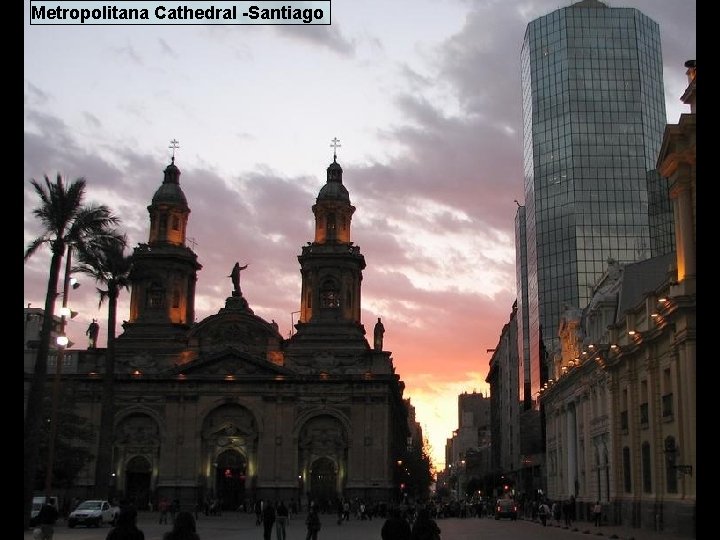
x,y
329,37
34,96
128,52
167,49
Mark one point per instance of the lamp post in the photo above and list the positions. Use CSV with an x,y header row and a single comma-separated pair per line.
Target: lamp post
x,y
62,342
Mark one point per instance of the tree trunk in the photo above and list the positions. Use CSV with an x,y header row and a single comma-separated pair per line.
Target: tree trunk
x,y
34,407
103,464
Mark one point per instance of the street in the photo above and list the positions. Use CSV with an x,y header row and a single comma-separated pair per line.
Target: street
x,y
234,526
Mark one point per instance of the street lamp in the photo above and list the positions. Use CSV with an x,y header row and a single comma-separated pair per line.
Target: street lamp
x,y
62,342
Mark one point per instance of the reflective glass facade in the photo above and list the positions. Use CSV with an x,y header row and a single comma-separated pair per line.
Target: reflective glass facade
x,y
522,319
594,115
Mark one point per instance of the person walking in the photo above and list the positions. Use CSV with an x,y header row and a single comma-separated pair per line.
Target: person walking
x,y
183,528
126,526
312,522
282,519
425,528
544,513
597,513
46,519
395,526
556,512
164,508
268,519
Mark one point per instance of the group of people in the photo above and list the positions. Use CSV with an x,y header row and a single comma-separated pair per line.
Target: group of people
x,y
545,512
397,527
278,515
126,528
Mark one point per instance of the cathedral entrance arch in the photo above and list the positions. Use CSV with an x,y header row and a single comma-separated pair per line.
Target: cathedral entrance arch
x,y
323,482
230,438
136,451
230,479
322,455
138,473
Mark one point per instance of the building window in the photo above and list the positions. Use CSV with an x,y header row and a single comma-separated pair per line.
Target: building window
x,y
670,462
644,414
329,295
331,226
624,421
155,296
667,406
646,471
667,398
627,477
176,223
176,298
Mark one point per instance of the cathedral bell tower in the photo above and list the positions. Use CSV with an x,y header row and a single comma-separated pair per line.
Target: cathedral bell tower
x,y
331,268
165,269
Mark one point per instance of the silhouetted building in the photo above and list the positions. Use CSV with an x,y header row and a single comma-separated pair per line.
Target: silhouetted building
x,y
226,408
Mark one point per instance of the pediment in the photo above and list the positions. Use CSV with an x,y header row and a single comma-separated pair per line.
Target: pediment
x,y
231,361
240,330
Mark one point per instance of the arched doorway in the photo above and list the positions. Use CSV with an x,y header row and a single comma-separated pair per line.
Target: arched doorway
x,y
230,479
323,481
137,481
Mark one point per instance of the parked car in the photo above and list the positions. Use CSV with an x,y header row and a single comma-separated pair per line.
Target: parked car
x,y
93,513
506,508
37,503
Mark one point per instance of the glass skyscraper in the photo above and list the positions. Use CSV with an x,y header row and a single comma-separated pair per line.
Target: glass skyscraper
x,y
594,115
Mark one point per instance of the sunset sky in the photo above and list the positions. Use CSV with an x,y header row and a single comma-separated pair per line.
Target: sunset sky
x,y
425,98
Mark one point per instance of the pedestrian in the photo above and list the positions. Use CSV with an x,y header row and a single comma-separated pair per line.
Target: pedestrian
x,y
544,513
597,513
395,526
164,508
425,528
126,526
282,519
258,511
46,519
174,509
556,512
312,522
183,528
268,519
567,513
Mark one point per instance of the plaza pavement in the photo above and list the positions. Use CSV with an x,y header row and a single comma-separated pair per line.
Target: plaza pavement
x,y
237,526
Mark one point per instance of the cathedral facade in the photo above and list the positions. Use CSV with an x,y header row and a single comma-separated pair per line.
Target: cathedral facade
x,y
226,408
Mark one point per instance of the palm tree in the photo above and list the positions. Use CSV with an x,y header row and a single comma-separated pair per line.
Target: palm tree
x,y
107,263
66,222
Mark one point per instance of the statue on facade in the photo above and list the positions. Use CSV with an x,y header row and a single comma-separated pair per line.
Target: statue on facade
x,y
235,276
378,335
92,333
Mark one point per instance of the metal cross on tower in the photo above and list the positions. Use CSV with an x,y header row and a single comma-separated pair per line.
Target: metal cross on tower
x,y
174,144
335,145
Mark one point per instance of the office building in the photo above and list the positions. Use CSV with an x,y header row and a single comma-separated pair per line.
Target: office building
x,y
594,115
